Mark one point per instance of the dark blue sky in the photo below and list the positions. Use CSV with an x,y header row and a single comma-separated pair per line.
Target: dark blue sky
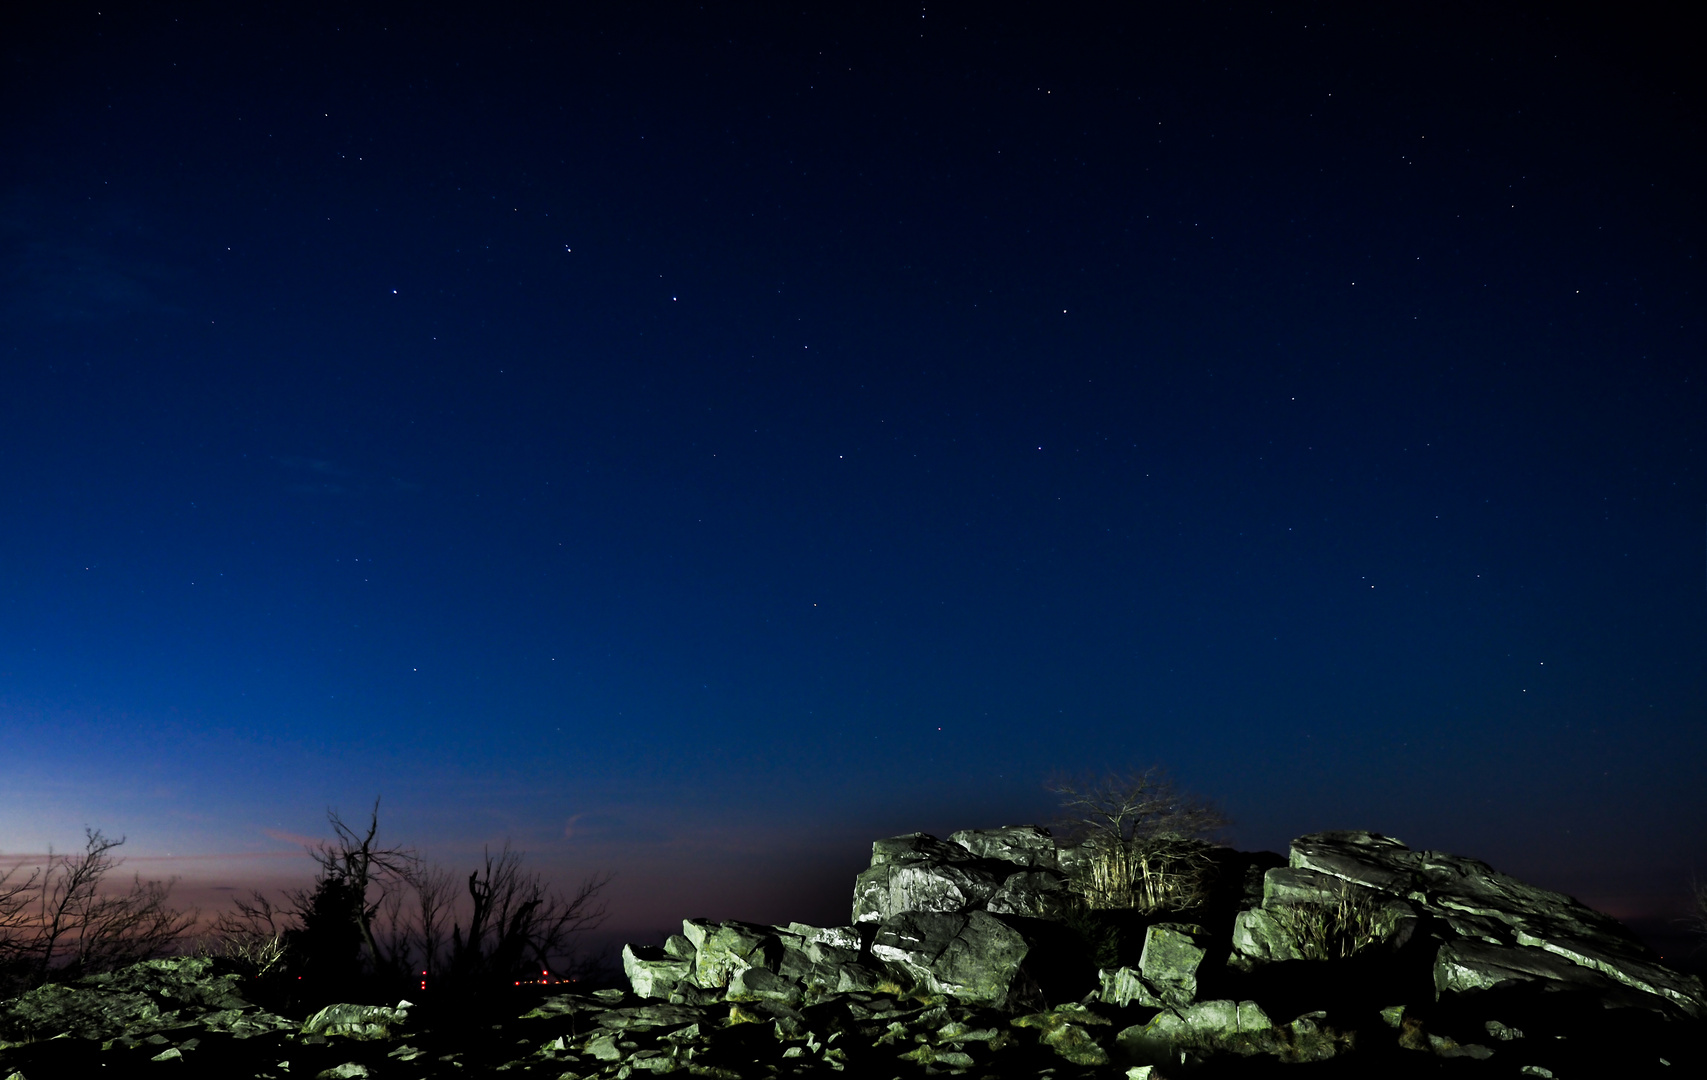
x,y
696,441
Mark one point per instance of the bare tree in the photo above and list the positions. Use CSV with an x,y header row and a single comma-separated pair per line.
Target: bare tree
x,y
427,926
366,872
1142,839
60,920
1134,806
120,930
380,910
17,896
518,924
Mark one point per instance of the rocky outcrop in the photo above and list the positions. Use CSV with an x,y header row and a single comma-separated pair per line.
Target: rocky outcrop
x,y
164,999
1358,952
1490,929
1012,870
962,921
972,956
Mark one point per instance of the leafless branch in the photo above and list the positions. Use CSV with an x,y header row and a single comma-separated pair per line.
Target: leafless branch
x,y
517,923
16,900
369,872
59,919
1134,806
435,900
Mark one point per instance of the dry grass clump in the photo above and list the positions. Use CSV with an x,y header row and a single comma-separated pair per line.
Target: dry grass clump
x,y
1160,873
1142,840
1337,929
255,954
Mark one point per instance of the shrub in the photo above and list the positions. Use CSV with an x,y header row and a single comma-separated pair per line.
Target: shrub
x,y
379,920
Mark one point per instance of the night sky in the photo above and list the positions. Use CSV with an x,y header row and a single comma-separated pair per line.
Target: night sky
x,y
695,441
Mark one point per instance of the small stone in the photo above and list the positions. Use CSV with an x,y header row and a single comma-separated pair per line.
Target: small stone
x,y
1075,1044
1451,1048
1122,986
604,1048
930,1055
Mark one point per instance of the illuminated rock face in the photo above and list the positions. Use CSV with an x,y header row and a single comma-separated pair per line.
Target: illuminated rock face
x,y
972,956
968,919
1340,894
1353,946
1013,870
1489,929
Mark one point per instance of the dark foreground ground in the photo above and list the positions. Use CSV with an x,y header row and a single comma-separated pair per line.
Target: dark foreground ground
x,y
612,1035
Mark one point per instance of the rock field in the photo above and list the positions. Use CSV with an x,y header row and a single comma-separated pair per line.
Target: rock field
x,y
1353,956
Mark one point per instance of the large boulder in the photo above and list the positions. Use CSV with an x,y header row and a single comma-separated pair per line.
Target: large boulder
x,y
1476,903
722,949
814,957
654,973
1308,915
712,961
1183,1035
1035,894
918,872
948,932
1168,966
916,847
1025,845
1167,969
357,1021
1013,870
1466,965
972,956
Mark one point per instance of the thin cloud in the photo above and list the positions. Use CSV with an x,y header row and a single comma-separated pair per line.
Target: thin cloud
x,y
294,838
597,828
70,279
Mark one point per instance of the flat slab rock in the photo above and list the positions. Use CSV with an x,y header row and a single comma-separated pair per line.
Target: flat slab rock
x,y
1485,907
